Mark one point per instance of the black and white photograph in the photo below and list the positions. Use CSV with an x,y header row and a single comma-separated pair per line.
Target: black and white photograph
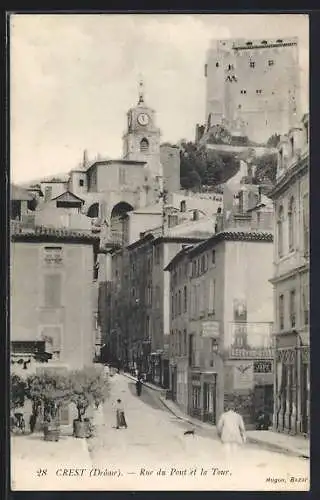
x,y
159,252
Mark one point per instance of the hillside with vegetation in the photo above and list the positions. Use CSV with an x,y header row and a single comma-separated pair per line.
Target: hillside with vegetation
x,y
200,167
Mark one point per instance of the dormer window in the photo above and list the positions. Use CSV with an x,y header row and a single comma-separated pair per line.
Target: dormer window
x,y
243,91
252,64
259,91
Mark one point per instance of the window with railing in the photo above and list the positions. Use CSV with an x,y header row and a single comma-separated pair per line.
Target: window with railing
x,y
190,350
179,302
280,223
305,304
306,224
281,311
185,299
211,296
293,308
291,224
52,290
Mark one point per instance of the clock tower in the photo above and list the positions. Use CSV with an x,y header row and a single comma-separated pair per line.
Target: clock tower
x,y
141,142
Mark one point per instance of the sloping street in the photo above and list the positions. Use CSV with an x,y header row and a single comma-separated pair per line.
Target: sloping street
x,y
155,440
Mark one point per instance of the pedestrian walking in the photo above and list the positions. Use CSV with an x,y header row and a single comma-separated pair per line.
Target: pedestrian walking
x,y
120,416
231,430
138,386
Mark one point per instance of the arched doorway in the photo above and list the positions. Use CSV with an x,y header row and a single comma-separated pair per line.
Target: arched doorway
x,y
93,211
119,222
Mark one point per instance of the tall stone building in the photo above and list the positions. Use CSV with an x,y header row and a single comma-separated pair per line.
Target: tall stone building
x,y
291,283
252,86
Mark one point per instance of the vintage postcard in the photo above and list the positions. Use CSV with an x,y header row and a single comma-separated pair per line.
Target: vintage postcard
x,y
159,252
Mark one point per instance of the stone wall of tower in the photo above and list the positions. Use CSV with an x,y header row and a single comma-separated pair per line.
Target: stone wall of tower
x,y
170,161
136,133
256,81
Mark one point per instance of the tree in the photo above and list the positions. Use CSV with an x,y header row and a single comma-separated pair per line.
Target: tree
x,y
266,167
88,387
200,166
18,389
49,390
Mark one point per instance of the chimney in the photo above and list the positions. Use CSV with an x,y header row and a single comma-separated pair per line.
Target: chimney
x,y
195,215
183,206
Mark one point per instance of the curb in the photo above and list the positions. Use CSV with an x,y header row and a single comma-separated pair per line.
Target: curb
x,y
154,388
264,444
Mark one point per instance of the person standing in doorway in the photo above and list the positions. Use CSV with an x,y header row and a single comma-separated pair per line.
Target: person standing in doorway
x,y
231,430
120,416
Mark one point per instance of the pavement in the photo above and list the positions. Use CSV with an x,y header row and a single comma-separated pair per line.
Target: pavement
x,y
292,445
153,453
38,464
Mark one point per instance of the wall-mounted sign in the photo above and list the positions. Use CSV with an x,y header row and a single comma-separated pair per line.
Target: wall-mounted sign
x,y
239,310
262,366
211,329
238,352
243,375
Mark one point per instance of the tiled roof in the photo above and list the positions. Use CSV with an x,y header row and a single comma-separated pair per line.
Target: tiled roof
x,y
45,233
67,196
233,236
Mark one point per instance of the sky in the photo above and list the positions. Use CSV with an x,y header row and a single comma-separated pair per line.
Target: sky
x,y
73,77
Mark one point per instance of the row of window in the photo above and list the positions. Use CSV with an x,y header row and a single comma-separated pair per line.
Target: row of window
x,y
291,320
202,299
252,64
179,303
201,264
292,226
258,92
178,343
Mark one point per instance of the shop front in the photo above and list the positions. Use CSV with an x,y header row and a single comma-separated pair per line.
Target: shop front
x,y
292,385
209,397
203,396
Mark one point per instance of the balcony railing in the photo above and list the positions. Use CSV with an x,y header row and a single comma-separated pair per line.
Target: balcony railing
x,y
252,339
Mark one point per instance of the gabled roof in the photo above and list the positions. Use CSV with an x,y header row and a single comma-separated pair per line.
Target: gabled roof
x,y
68,197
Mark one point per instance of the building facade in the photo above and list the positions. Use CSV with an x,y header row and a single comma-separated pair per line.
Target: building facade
x,y
139,308
221,325
252,86
52,295
291,282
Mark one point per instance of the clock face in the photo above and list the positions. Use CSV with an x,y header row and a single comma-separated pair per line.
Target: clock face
x,y
143,119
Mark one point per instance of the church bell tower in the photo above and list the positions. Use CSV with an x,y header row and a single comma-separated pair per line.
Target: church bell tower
x,y
141,142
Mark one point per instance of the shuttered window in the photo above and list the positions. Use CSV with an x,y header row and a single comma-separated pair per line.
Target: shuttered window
x,y
52,290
